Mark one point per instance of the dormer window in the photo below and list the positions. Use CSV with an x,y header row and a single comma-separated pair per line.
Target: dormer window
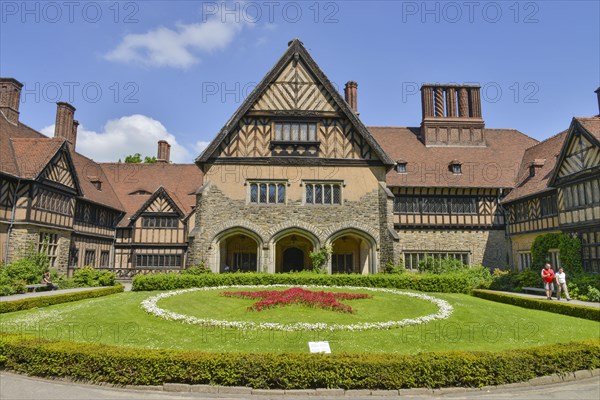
x,y
295,132
456,167
140,192
401,167
97,184
531,171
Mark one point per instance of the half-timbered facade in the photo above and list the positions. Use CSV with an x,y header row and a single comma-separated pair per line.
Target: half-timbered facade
x,y
451,174
558,190
293,170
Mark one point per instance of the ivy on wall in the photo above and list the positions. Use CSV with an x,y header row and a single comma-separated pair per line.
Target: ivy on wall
x,y
569,250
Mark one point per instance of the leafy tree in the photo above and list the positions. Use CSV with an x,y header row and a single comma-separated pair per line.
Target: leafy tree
x,y
137,159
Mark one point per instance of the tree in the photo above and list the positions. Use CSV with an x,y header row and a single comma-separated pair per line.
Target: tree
x,y
137,159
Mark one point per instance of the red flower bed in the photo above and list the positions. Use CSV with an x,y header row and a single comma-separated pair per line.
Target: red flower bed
x,y
278,298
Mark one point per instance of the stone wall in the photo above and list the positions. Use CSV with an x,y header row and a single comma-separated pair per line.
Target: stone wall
x,y
24,238
216,213
487,247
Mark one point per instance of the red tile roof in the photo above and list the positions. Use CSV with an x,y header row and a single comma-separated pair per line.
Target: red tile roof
x,y
528,185
591,124
180,181
24,152
493,166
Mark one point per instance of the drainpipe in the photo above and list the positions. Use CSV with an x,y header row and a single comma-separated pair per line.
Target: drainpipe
x,y
12,220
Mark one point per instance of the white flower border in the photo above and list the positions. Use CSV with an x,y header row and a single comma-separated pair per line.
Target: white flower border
x,y
151,306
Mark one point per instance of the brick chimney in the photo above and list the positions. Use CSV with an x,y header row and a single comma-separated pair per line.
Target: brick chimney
x,y
451,115
598,93
351,95
64,125
164,152
10,96
74,134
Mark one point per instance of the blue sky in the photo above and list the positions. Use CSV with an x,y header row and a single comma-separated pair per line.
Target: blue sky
x,y
138,72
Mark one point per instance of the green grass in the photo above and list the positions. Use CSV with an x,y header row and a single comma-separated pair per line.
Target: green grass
x,y
475,324
382,307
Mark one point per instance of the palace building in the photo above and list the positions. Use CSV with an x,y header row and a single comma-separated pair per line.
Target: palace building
x,y
294,169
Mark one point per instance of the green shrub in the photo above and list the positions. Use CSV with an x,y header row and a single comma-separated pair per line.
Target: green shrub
x,y
573,310
569,250
529,278
199,269
90,277
133,366
391,268
45,301
320,257
441,266
457,282
504,280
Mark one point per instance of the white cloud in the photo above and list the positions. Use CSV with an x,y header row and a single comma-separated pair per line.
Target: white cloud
x,y
177,48
127,135
200,145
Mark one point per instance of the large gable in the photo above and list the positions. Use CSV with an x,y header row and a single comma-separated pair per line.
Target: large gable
x,y
60,171
295,89
295,113
580,153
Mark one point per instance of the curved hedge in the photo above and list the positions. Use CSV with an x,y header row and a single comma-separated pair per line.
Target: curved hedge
x,y
44,301
135,366
545,305
457,282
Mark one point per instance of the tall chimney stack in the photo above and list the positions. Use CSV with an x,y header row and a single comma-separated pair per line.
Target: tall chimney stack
x,y
164,152
598,93
351,95
451,115
63,127
10,95
74,134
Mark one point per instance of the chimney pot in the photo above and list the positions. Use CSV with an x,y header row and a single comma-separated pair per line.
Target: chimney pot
x,y
64,125
10,96
597,91
351,95
164,152
74,134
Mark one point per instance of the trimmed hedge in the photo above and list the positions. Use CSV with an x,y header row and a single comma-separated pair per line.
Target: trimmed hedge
x,y
44,301
136,366
457,282
544,305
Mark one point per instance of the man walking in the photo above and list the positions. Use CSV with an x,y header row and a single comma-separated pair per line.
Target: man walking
x,y
548,277
561,284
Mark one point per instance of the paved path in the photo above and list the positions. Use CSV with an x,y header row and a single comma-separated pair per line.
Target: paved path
x,y
55,292
539,297
17,387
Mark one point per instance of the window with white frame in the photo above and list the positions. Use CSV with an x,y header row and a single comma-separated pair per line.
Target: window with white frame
x,y
90,258
553,258
267,192
323,193
524,260
296,131
342,263
412,259
48,243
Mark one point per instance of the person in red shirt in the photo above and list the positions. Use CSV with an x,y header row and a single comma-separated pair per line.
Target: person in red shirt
x,y
548,277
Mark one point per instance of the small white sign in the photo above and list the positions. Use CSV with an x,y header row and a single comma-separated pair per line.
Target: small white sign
x,y
319,347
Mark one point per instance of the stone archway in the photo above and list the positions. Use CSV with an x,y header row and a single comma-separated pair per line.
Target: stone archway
x,y
237,249
291,249
354,251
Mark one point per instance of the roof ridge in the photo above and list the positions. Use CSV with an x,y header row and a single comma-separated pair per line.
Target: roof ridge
x,y
547,139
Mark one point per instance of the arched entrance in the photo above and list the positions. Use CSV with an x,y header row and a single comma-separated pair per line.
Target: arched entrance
x,y
238,251
293,259
353,252
292,250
